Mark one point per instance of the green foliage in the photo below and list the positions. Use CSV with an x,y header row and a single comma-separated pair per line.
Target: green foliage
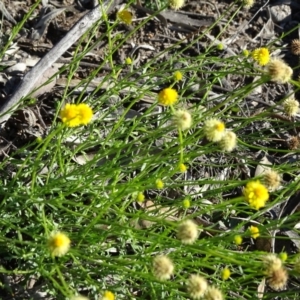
x,y
114,238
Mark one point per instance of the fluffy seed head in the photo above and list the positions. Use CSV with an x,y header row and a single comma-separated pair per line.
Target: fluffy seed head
x,y
59,244
196,286
187,232
293,142
183,119
163,267
271,263
291,106
279,71
79,297
261,56
256,194
214,129
213,293
167,97
254,232
228,141
248,3
295,47
176,4
277,279
271,180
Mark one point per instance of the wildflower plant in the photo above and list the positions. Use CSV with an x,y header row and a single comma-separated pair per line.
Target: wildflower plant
x,y
164,160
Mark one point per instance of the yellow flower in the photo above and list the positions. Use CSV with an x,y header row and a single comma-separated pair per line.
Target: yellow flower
x,y
167,97
245,52
214,129
238,240
177,76
254,231
187,232
76,114
59,244
196,286
261,55
108,296
163,267
186,203
256,194
85,113
225,274
140,197
283,256
279,71
176,4
182,168
159,184
128,61
125,16
220,46
183,119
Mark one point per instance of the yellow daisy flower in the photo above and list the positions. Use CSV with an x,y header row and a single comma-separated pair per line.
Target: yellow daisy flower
x,y
167,97
59,244
261,56
256,194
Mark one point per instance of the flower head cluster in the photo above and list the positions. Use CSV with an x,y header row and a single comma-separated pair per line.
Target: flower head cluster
x,y
59,244
125,16
140,197
271,180
196,286
228,141
74,115
187,232
159,183
225,274
212,293
183,119
214,130
254,232
176,4
256,194
248,3
182,168
167,97
276,274
79,297
238,240
163,267
291,106
279,71
295,47
186,203
177,76
261,56
107,295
